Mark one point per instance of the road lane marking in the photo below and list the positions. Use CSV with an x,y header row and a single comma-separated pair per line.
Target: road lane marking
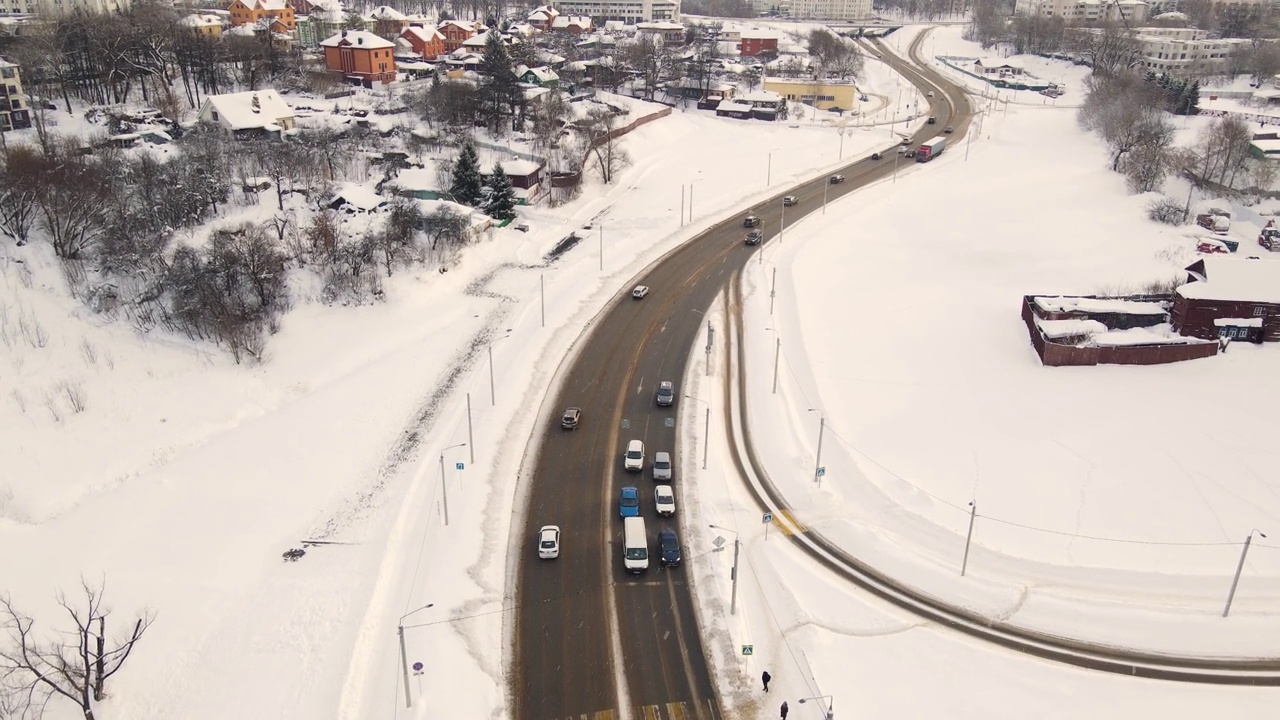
x,y
791,526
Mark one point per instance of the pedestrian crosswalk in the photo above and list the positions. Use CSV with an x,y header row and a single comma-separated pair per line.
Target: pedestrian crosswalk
x,y
788,523
665,711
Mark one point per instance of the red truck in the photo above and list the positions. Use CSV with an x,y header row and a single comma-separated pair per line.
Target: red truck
x,y
931,149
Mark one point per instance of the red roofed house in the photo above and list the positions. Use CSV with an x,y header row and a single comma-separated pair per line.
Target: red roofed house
x,y
361,56
457,32
572,24
542,17
1233,298
755,42
246,12
427,42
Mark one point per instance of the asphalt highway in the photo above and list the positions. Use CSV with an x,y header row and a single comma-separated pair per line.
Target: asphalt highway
x,y
590,640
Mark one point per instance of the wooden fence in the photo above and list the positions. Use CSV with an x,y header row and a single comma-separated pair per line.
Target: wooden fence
x,y
1058,354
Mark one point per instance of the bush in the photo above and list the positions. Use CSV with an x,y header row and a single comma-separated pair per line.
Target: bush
x,y
1165,210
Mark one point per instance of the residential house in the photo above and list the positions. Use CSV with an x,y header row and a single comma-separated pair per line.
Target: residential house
x,y
1233,298
540,76
246,114
427,42
361,57
312,7
52,9
249,12
542,16
1002,67
204,25
572,24
765,104
626,12
387,21
828,95
353,199
758,42
525,176
734,109
14,112
671,33
476,43
456,32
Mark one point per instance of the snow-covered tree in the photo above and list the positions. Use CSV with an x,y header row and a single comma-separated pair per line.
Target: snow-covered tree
x,y
467,183
500,203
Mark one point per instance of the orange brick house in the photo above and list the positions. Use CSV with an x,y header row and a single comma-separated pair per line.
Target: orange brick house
x,y
426,41
360,56
457,32
247,12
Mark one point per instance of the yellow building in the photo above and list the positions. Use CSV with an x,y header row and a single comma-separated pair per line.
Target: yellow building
x,y
206,25
819,94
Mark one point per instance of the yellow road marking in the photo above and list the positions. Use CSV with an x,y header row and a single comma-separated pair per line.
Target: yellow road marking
x,y
791,526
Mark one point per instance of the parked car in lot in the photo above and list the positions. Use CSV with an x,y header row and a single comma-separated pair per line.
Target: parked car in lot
x,y
836,179
640,291
750,221
549,542
629,502
666,395
669,548
569,420
755,237
633,459
662,467
789,200
664,500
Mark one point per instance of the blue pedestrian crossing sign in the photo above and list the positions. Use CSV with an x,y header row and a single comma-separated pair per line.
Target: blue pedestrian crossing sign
x,y
822,471
458,466
748,649
768,518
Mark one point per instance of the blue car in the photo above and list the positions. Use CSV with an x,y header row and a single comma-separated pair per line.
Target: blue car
x,y
629,504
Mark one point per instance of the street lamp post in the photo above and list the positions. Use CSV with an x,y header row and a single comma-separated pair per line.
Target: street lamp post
x,y
1240,567
830,712
444,491
841,131
404,655
493,398
817,462
706,433
733,597
768,173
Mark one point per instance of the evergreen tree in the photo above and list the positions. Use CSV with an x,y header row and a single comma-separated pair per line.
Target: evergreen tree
x,y
466,177
501,94
1193,99
501,201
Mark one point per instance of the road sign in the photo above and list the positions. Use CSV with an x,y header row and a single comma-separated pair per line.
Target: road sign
x,y
768,518
718,541
748,649
822,471
626,424
417,667
669,422
458,466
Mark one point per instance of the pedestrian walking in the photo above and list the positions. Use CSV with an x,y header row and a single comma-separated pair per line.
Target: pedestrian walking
x,y
785,710
766,677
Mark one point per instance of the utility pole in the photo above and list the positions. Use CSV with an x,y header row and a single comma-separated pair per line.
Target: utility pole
x,y
602,246
542,290
777,353
817,463
706,439
773,289
1239,568
973,514
493,398
404,663
471,441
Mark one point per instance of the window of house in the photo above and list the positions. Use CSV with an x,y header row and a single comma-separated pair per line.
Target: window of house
x,y
1259,312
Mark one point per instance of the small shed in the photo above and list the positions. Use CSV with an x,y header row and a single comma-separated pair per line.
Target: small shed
x,y
733,109
1221,287
353,199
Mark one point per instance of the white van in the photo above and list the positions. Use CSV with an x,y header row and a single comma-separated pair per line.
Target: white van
x,y
635,545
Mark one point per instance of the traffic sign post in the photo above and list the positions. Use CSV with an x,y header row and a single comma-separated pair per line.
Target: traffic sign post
x,y
458,466
767,519
748,649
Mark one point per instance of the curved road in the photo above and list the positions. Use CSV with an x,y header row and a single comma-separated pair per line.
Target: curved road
x,y
591,641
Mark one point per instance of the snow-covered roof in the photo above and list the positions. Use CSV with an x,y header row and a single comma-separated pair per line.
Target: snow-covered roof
x,y
357,38
1054,329
273,5
478,40
1156,335
467,25
200,20
1238,279
1001,62
1238,322
385,12
1098,305
359,196
767,96
515,167
249,110
417,179
542,74
755,34
731,106
533,93
1172,15
563,21
659,26
425,34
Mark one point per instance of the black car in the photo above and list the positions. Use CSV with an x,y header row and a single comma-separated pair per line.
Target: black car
x,y
750,221
669,548
836,179
876,156
569,421
755,237
932,121
666,395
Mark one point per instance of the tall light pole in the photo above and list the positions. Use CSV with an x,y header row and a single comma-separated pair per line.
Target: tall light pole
x,y
733,597
706,439
444,491
841,131
830,712
968,538
768,173
404,655
1240,567
817,462
777,353
493,398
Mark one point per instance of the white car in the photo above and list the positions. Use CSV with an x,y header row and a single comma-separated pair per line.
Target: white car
x,y
633,459
664,500
640,291
549,542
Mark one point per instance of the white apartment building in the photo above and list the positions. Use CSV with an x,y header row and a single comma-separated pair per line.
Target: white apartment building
x,y
629,12
830,9
1131,11
1185,51
60,7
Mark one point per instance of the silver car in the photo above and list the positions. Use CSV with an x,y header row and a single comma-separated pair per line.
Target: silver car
x,y
662,467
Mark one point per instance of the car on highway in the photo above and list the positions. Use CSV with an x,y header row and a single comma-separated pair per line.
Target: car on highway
x,y
664,500
666,395
569,420
640,291
906,141
876,156
789,200
949,130
904,150
669,548
629,502
755,237
549,542
633,459
930,93
932,120
750,221
836,179
662,467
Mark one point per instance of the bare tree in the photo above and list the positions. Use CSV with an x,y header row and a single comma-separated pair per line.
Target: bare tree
x,y
1222,153
19,178
1110,49
398,239
1124,110
77,664
651,58
606,143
